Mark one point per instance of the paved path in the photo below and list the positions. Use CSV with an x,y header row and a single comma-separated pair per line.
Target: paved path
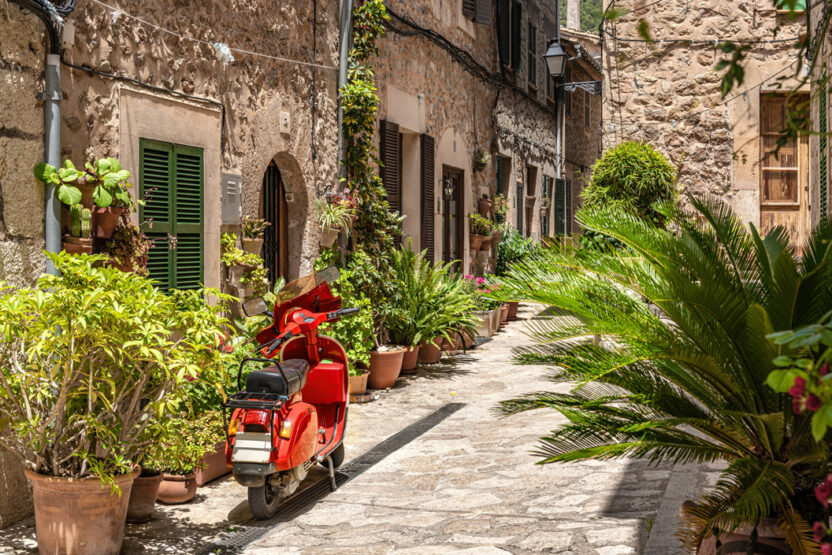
x,y
468,484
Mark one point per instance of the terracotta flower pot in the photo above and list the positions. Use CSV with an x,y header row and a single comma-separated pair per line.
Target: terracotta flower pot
x,y
512,310
467,340
485,206
213,465
484,327
328,237
385,367
410,359
79,517
430,353
504,314
497,236
486,244
104,220
143,498
176,489
251,245
475,241
358,384
739,541
77,245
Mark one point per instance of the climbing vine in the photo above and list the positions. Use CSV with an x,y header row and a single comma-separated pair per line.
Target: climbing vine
x,y
377,229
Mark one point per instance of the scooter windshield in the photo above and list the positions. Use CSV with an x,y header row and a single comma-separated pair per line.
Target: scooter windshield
x,y
304,285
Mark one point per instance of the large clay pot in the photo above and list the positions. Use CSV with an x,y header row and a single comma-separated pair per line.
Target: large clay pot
x,y
475,241
769,538
104,220
176,489
328,237
484,327
79,517
143,498
486,244
77,245
430,353
467,340
485,206
504,314
358,384
410,359
213,465
385,367
495,320
512,310
253,245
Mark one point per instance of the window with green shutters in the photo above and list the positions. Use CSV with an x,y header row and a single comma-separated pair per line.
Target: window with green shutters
x,y
547,194
171,182
499,183
562,202
521,206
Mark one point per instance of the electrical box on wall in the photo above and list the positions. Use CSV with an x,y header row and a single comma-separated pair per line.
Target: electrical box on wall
x,y
232,206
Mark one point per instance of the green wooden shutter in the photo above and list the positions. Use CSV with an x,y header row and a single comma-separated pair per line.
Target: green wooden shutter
x,y
156,188
567,212
521,207
428,158
516,30
188,264
504,30
559,202
547,192
823,146
500,183
171,182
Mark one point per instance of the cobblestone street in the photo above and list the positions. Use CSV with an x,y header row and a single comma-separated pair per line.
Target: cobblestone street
x,y
467,484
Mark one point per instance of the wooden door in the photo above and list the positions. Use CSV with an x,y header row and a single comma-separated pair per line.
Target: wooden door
x,y
453,217
784,172
275,238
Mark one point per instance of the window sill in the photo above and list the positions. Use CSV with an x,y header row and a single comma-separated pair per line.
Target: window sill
x,y
784,204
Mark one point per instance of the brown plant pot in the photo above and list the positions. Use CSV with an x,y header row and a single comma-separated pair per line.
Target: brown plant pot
x,y
512,310
738,541
504,314
410,359
484,327
358,384
77,245
213,465
497,236
467,340
385,367
430,353
176,489
143,498
104,220
328,237
79,517
486,244
475,241
485,206
254,246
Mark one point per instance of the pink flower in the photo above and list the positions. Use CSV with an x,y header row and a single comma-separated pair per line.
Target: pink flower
x,y
798,388
824,369
469,277
480,281
819,530
824,490
826,548
813,403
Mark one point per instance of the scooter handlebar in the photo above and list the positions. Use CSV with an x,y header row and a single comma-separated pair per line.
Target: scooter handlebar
x,y
348,311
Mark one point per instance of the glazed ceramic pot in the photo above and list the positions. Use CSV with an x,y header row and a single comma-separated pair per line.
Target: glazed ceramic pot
x,y
385,367
176,489
79,516
253,245
430,353
143,498
410,359
213,465
358,384
104,221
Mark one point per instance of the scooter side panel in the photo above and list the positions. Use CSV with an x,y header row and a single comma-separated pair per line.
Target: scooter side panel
x,y
300,446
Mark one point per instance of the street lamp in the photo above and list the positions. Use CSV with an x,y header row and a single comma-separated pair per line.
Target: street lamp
x,y
555,58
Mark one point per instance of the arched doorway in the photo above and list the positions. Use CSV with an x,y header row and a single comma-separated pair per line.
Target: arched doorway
x,y
275,211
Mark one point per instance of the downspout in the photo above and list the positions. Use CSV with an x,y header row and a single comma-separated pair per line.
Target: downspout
x,y
345,24
51,114
558,127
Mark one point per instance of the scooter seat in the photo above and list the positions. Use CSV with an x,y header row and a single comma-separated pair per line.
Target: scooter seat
x,y
271,381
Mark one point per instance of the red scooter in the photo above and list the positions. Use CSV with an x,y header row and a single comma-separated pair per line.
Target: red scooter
x,y
291,414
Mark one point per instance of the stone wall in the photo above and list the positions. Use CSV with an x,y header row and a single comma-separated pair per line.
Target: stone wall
x,y
668,93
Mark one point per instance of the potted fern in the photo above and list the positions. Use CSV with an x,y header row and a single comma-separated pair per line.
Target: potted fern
x,y
334,216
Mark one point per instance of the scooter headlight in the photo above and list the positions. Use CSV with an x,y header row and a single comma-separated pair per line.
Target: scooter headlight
x,y
285,430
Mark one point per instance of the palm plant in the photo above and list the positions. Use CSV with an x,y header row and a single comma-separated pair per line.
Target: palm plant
x,y
665,344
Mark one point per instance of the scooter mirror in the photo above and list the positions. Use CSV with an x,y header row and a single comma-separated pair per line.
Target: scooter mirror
x,y
255,306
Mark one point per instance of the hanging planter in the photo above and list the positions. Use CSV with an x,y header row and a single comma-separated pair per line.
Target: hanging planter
x,y
486,243
328,237
254,246
485,207
104,220
475,241
482,160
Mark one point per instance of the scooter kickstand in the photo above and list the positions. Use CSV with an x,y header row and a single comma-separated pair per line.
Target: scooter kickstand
x,y
332,485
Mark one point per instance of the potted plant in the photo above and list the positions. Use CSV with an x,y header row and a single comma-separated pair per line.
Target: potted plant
x,y
334,216
480,229
143,496
128,248
110,369
111,194
253,229
355,333
485,206
78,240
246,270
482,159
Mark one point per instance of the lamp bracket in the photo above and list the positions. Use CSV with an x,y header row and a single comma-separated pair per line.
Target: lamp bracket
x,y
592,87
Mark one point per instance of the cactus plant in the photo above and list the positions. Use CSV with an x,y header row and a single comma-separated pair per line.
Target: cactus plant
x,y
75,220
86,216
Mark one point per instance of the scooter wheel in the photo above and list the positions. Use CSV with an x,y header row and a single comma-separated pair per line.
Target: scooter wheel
x,y
337,456
263,501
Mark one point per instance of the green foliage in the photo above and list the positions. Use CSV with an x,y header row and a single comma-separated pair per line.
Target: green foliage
x,y
334,214
129,247
355,332
591,15
179,445
62,179
75,220
667,351
479,225
480,290
253,227
513,249
255,271
111,186
86,228
632,177
93,359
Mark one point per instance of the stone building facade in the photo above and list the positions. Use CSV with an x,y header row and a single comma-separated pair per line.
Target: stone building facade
x,y
666,92
819,142
261,120
465,95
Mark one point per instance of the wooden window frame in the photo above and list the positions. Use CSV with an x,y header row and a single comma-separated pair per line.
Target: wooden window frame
x,y
531,49
798,170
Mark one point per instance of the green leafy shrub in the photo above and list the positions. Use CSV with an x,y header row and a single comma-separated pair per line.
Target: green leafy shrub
x,y
94,358
479,225
678,374
355,333
255,270
632,177
513,249
178,446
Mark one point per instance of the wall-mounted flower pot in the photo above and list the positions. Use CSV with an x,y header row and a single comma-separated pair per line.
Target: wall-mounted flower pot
x,y
385,367
176,489
358,384
430,353
104,220
485,206
77,245
512,310
410,359
213,465
475,241
254,246
486,244
143,498
79,516
328,237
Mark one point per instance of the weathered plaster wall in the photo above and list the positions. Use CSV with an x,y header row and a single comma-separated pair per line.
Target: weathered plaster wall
x,y
669,95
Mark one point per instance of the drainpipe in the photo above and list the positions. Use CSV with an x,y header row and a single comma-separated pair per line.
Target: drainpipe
x,y
51,112
343,65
